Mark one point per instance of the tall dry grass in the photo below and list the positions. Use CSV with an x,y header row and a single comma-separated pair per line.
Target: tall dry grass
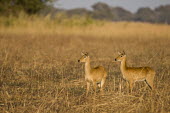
x,y
39,71
80,26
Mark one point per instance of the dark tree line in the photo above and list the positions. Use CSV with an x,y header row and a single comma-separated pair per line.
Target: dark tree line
x,y
103,11
13,7
100,11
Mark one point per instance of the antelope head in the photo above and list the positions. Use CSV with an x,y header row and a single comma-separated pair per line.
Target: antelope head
x,y
121,56
84,57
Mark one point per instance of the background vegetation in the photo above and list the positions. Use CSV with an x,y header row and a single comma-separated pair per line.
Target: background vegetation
x,y
39,71
13,7
101,11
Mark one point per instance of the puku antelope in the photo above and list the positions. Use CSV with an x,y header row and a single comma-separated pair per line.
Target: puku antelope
x,y
134,74
95,75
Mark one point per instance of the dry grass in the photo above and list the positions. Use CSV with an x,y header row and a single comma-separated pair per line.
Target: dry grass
x,y
39,72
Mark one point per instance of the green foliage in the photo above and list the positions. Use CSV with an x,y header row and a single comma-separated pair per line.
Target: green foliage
x,y
8,7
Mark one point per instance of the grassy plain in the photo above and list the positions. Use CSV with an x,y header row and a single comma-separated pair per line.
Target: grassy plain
x,y
39,72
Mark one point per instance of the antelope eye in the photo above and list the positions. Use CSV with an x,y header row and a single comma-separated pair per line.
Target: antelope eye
x,y
121,56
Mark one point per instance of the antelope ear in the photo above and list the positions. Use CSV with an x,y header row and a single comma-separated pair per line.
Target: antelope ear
x,y
82,53
86,54
119,53
123,52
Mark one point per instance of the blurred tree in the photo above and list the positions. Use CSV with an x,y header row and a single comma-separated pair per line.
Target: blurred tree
x,y
8,7
163,13
78,11
102,11
145,15
50,10
121,14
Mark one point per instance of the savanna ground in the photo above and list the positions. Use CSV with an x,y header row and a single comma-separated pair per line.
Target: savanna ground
x,y
39,72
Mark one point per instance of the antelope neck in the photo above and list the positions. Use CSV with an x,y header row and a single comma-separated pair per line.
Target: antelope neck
x,y
87,67
123,65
